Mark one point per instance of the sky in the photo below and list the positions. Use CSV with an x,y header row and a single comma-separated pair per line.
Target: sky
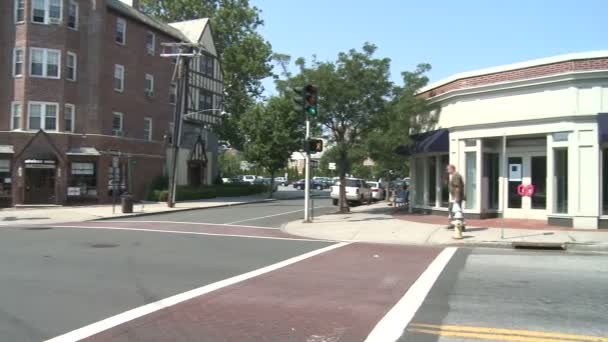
x,y
453,36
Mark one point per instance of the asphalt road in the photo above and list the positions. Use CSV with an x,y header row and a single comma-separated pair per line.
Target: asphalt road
x,y
271,214
544,294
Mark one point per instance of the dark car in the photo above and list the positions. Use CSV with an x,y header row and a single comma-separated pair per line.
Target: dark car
x,y
314,184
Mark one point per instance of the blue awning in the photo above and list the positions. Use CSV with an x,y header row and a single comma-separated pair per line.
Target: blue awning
x,y
436,141
602,127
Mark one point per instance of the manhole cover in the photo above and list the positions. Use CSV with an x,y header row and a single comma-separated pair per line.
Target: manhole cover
x,y
103,245
38,228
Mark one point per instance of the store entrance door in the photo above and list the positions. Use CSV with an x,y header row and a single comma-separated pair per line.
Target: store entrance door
x,y
40,186
526,195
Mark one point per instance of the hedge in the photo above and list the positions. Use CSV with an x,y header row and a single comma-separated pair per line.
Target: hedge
x,y
186,193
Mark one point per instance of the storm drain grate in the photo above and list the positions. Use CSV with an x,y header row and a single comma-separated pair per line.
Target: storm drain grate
x,y
38,228
555,246
104,245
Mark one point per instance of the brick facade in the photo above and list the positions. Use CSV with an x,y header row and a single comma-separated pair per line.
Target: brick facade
x,y
520,74
93,96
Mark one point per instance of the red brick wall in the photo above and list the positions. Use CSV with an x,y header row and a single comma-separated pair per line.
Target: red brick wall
x,y
520,74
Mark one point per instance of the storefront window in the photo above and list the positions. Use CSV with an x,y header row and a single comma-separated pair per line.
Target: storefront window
x,y
445,192
419,181
491,176
432,174
515,173
560,181
83,180
539,180
5,178
470,183
605,182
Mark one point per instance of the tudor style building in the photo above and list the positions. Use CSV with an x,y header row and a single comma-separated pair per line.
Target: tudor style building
x,y
529,138
84,88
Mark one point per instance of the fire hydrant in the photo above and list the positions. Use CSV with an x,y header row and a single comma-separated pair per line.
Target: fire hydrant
x,y
458,222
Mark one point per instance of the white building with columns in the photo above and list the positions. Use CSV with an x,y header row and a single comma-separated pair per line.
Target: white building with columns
x,y
530,139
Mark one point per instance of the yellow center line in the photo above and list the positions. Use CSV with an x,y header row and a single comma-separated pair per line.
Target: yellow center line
x,y
502,332
491,337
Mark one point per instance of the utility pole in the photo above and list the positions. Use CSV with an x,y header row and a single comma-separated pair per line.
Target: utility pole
x,y
307,215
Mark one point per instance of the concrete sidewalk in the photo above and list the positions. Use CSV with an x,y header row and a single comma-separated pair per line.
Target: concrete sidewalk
x,y
376,223
54,215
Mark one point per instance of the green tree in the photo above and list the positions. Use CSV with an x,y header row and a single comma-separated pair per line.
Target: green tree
x,y
353,92
230,163
272,131
405,111
244,54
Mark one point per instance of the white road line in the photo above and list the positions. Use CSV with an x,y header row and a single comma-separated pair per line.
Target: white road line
x,y
130,315
183,232
196,223
263,217
392,325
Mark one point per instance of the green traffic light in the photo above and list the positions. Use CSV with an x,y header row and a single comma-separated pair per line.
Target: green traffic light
x,y
312,110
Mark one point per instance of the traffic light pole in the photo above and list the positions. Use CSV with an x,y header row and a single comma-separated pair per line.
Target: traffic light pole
x,y
307,216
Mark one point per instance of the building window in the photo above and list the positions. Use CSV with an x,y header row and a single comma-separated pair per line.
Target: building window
x,y
419,181
42,115
71,66
47,11
148,129
206,65
121,31
445,191
471,180
6,180
432,183
150,43
68,118
149,85
560,180
172,93
16,112
205,100
19,11
119,78
73,15
117,124
83,177
45,63
18,62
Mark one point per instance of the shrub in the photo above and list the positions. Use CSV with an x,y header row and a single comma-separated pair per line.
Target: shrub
x,y
187,193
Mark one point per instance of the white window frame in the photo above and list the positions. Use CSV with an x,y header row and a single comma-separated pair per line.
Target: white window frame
x,y
148,136
151,49
76,15
45,59
13,116
122,78
15,75
47,13
43,115
124,32
149,91
75,66
73,117
121,115
17,2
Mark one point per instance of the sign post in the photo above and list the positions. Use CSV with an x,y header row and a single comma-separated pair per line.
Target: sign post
x,y
115,161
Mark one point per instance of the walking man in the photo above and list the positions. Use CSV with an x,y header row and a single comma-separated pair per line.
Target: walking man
x,y
456,187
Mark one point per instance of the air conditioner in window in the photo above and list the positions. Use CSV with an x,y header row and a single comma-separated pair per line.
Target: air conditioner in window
x,y
54,20
149,93
117,132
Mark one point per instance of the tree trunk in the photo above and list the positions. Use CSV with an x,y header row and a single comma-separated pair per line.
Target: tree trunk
x,y
342,165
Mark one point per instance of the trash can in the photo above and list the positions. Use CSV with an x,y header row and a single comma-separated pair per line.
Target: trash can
x,y
126,201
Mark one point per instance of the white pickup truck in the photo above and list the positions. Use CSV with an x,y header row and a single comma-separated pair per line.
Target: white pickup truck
x,y
357,191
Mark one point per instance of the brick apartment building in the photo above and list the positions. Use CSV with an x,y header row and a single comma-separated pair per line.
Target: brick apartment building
x,y
81,83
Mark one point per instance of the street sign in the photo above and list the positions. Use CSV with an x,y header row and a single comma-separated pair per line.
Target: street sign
x,y
114,162
332,166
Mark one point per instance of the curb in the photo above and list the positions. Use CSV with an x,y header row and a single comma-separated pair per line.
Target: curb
x,y
182,209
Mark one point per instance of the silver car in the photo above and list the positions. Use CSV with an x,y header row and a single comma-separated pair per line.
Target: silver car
x,y
377,189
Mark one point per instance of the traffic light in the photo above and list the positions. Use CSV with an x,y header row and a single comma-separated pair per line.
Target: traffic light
x,y
315,146
310,100
305,99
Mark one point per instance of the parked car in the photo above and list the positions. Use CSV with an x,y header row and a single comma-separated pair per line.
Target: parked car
x,y
248,178
377,188
236,179
281,180
357,191
266,181
326,181
300,185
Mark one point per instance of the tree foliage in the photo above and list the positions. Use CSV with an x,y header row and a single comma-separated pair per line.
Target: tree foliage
x,y
272,131
244,54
